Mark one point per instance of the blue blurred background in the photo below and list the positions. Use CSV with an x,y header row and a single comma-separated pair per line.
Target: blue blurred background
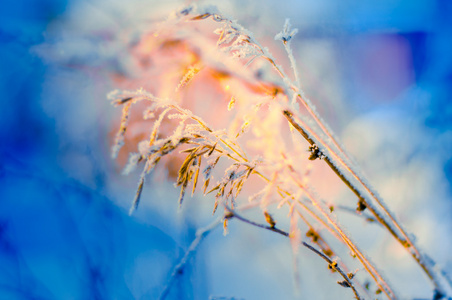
x,y
63,232
60,237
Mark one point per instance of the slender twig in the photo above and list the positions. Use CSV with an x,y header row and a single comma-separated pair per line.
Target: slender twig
x,y
383,285
336,231
340,235
179,268
353,211
234,214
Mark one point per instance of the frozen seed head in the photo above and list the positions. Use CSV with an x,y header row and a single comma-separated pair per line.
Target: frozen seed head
x,y
287,33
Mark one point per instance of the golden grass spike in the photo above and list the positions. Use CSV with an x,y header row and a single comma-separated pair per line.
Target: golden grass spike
x,y
239,187
185,166
214,189
249,173
200,17
188,76
206,185
211,150
182,192
195,179
215,206
190,150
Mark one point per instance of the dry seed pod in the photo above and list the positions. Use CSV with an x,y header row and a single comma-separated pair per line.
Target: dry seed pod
x,y
269,219
361,206
315,152
344,283
313,235
332,266
328,252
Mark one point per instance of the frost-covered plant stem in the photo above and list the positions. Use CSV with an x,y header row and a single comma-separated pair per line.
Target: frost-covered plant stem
x,y
332,264
178,270
212,145
382,283
401,238
335,229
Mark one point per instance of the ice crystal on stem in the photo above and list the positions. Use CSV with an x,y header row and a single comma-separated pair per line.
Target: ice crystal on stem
x,y
287,33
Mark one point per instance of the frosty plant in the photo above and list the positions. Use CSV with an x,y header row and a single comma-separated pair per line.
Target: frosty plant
x,y
221,106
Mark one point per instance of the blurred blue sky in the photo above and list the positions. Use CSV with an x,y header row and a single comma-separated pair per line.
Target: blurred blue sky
x,y
62,236
59,239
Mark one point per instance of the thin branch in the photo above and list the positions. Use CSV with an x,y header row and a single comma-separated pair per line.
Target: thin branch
x,y
378,278
336,231
179,268
353,211
233,214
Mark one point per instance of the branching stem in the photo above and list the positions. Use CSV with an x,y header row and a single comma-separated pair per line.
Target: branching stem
x,y
403,240
234,214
